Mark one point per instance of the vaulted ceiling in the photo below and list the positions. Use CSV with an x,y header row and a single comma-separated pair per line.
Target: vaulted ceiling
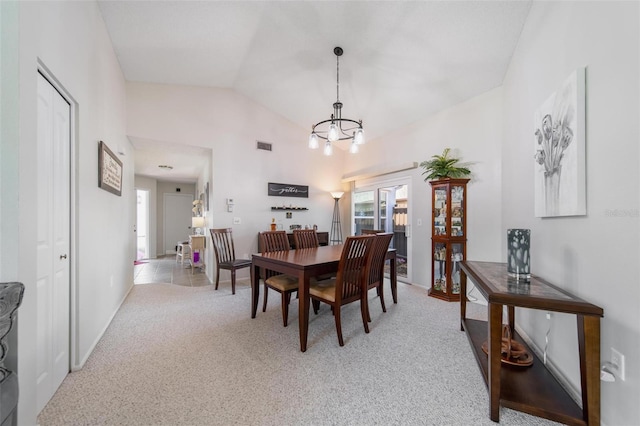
x,y
403,60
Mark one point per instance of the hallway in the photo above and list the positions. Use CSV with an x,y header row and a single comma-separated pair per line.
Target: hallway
x,y
165,269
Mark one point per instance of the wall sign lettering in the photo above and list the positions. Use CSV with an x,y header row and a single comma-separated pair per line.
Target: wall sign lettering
x,y
288,190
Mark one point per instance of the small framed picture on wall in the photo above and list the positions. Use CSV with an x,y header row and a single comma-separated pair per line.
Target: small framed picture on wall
x,y
109,170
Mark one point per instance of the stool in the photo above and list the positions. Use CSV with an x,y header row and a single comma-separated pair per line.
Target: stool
x,y
183,251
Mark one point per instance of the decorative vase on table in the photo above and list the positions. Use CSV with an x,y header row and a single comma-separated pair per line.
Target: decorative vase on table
x,y
519,254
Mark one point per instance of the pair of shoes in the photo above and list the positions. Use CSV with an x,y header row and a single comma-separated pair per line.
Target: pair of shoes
x,y
512,352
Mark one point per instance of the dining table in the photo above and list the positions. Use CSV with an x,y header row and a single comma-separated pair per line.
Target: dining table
x,y
305,264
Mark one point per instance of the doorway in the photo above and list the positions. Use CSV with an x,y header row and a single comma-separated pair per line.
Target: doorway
x,y
53,247
142,224
384,206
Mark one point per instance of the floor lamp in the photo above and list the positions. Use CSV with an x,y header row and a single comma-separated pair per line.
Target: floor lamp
x,y
336,227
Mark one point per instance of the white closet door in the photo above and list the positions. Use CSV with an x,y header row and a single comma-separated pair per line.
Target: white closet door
x,y
177,220
52,253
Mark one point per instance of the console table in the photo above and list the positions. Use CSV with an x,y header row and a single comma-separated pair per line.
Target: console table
x,y
533,390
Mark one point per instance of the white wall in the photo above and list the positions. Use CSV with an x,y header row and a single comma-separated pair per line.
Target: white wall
x,y
151,185
9,155
230,124
473,131
70,39
593,256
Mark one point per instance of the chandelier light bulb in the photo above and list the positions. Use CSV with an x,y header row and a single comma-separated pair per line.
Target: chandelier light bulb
x,y
353,148
313,141
358,138
332,135
328,149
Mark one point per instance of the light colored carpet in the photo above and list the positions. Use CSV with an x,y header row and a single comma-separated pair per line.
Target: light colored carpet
x,y
177,355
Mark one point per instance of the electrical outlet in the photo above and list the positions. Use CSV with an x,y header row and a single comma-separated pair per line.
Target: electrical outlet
x,y
237,221
617,364
419,222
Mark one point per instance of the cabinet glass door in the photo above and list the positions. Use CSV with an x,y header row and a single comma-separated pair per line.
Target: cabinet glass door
x,y
457,256
440,267
457,213
440,211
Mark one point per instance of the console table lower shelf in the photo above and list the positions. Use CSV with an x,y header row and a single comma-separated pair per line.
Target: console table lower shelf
x,y
533,390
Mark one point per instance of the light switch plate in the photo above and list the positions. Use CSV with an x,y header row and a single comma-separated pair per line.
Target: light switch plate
x,y
237,221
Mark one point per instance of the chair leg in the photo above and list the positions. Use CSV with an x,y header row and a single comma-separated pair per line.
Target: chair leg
x,y
233,281
381,293
285,308
217,277
336,313
364,311
264,299
316,306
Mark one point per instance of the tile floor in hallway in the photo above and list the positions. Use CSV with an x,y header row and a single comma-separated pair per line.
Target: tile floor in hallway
x,y
165,269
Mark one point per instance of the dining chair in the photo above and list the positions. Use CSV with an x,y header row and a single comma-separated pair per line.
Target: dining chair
x,y
222,241
371,231
274,241
308,238
375,271
348,285
305,238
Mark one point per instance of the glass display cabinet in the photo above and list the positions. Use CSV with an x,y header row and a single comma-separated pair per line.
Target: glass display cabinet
x,y
448,236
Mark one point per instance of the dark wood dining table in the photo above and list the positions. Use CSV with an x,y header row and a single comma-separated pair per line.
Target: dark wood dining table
x,y
304,264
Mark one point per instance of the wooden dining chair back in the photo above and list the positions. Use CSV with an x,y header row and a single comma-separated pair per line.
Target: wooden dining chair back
x,y
225,251
305,238
349,282
375,271
274,241
371,231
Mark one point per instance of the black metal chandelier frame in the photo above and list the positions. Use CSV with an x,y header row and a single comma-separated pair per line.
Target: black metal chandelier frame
x,y
346,127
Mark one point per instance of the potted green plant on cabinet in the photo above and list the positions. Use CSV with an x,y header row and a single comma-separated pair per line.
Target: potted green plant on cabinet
x,y
444,166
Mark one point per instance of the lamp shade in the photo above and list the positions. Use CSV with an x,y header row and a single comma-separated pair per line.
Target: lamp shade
x,y
328,149
337,194
313,141
197,222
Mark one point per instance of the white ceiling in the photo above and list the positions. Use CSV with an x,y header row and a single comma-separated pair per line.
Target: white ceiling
x,y
403,60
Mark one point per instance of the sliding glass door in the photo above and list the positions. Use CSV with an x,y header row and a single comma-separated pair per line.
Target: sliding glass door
x,y
384,207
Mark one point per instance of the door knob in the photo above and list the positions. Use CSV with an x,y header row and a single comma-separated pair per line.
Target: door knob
x,y
63,256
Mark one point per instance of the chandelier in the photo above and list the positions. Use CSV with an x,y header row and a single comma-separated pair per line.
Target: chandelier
x,y
337,128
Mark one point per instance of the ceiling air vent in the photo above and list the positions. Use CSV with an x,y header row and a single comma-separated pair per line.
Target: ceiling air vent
x,y
264,145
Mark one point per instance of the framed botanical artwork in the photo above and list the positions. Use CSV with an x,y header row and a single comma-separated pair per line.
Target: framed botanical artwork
x,y
109,170
559,140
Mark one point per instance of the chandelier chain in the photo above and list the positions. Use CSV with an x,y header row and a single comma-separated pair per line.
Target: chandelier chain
x,y
337,78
